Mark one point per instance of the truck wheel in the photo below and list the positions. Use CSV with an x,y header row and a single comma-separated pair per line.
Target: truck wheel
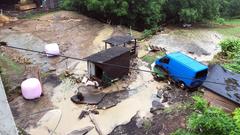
x,y
182,85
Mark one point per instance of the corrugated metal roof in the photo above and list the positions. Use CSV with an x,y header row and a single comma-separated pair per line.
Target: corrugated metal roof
x,y
188,61
218,74
107,55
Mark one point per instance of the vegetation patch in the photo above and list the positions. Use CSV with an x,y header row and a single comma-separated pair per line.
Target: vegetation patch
x,y
207,120
147,14
230,54
229,28
10,71
152,56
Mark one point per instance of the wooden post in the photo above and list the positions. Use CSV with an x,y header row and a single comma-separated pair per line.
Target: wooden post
x,y
105,45
135,45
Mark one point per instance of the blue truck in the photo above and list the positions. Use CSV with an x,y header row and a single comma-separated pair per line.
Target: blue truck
x,y
180,69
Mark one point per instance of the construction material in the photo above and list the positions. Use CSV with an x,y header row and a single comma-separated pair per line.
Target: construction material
x,y
24,7
7,124
31,88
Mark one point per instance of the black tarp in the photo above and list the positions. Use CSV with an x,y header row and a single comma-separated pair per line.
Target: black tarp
x,y
223,83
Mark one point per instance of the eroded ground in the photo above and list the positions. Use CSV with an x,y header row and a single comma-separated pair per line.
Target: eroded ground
x,y
130,99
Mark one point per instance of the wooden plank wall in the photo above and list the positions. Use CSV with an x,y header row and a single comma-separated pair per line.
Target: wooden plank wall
x,y
219,101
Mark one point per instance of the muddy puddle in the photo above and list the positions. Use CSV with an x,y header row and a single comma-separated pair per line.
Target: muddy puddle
x,y
139,101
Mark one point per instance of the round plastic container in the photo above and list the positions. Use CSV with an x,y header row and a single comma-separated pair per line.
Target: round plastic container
x,y
52,49
31,88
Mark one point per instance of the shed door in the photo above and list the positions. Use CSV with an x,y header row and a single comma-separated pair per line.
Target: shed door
x,y
91,69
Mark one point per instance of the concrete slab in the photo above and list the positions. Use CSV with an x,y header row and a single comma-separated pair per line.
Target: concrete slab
x,y
7,124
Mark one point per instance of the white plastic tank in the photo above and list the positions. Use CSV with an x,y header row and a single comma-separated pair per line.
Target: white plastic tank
x,y
31,88
52,49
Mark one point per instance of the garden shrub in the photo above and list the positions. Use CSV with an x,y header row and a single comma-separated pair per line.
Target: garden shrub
x,y
231,52
206,120
236,116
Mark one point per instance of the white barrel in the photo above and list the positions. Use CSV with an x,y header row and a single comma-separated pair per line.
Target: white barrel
x,y
31,88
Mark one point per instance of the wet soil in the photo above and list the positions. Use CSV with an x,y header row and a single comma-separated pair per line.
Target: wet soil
x,y
160,124
201,44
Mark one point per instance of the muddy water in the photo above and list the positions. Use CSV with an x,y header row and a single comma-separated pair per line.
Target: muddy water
x,y
139,102
67,113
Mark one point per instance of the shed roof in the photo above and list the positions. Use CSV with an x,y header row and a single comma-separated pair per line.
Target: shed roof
x,y
107,55
187,61
218,74
119,40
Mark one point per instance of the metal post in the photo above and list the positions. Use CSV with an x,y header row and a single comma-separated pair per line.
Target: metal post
x,y
105,45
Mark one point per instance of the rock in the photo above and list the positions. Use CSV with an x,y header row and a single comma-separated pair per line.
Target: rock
x,y
94,112
77,98
51,69
159,93
3,43
83,114
84,80
139,122
206,53
80,96
83,131
156,106
165,97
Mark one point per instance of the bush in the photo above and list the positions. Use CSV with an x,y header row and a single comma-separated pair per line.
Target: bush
x,y
231,52
200,104
207,120
183,132
147,33
236,116
212,121
230,48
220,21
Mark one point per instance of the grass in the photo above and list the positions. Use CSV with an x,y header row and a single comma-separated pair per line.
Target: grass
x,y
9,66
9,70
151,57
230,28
177,107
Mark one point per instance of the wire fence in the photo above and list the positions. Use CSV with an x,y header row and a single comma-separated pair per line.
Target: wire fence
x,y
115,65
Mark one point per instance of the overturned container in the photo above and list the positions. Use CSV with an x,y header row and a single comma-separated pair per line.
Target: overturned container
x,y
31,88
52,49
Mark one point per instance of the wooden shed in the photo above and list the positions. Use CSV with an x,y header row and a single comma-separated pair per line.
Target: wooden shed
x,y
109,64
122,41
222,88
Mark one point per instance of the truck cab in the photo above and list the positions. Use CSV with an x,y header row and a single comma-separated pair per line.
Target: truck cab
x,y
182,69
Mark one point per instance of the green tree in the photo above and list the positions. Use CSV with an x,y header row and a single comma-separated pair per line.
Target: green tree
x,y
234,8
191,11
